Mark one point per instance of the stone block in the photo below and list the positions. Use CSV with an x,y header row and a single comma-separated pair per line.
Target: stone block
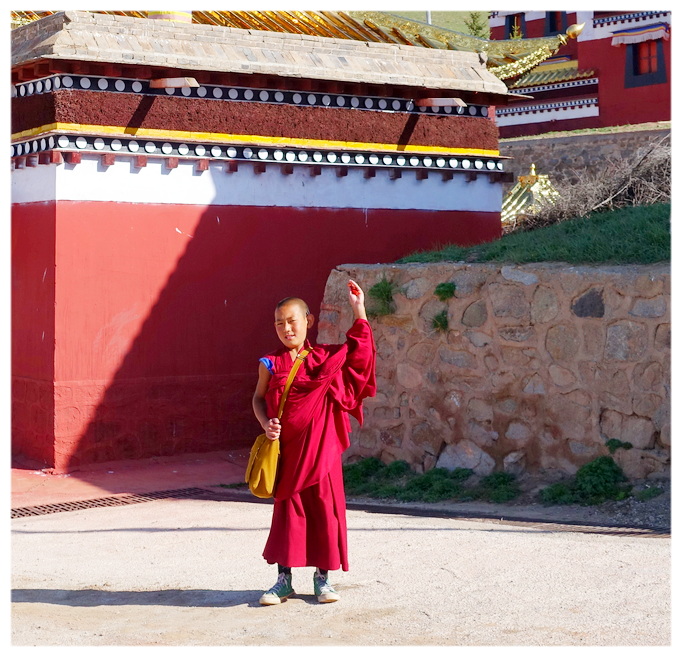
x,y
476,314
544,305
646,404
655,307
491,362
518,275
427,438
561,376
625,341
519,432
649,376
480,410
481,433
594,339
649,285
628,428
640,464
562,342
533,385
417,288
421,353
589,304
466,454
409,376
478,339
662,338
517,333
460,359
514,463
468,281
508,301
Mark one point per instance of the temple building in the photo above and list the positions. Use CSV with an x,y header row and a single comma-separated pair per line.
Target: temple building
x,y
175,175
617,71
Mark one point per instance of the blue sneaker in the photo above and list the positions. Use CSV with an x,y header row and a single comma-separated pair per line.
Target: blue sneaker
x,y
323,589
279,592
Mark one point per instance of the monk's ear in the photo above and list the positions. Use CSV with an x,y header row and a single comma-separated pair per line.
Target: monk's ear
x,y
310,319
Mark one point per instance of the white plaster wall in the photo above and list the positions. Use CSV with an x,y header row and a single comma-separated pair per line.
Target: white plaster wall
x,y
122,182
549,115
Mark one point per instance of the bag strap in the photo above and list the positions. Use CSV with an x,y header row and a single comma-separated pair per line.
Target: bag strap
x,y
294,368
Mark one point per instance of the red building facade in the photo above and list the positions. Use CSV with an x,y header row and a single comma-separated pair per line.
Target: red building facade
x,y
160,212
617,72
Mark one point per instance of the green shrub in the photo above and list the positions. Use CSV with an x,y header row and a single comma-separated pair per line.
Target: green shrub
x,y
559,493
600,480
381,298
648,493
613,444
595,482
445,291
440,321
499,487
370,477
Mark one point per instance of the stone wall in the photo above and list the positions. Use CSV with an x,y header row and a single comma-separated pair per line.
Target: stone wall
x,y
539,367
560,156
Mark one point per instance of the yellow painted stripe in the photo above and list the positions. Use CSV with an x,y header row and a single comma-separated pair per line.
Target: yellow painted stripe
x,y
258,140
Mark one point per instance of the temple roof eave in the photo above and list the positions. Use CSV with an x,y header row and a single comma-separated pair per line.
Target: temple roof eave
x,y
89,36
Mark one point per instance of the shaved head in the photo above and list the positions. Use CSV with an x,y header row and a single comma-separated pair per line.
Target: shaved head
x,y
294,301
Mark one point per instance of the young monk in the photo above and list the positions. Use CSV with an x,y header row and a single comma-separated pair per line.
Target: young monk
x,y
309,516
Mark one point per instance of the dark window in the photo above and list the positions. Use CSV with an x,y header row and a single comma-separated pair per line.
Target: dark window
x,y
515,26
644,64
555,22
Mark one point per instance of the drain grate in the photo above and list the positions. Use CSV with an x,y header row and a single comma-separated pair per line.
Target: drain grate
x,y
114,500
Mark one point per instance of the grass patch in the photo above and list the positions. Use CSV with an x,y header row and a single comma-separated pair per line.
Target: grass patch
x,y
445,291
439,322
595,482
381,298
647,493
613,444
397,481
627,235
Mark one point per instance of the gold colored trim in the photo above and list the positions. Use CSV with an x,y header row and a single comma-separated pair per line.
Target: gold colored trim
x,y
261,140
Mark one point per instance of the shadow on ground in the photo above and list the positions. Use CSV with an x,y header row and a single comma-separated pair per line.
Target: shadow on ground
x,y
170,597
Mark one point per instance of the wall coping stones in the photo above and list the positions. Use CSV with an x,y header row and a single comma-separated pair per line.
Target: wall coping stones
x,y
144,42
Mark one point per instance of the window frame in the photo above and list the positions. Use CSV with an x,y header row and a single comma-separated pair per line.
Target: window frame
x,y
635,79
561,28
509,21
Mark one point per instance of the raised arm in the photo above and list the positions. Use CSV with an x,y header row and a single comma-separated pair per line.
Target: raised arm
x,y
358,371
357,300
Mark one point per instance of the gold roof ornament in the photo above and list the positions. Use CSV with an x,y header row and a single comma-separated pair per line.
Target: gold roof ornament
x,y
531,193
506,59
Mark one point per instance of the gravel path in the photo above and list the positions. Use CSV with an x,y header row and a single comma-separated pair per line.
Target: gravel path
x,y
189,572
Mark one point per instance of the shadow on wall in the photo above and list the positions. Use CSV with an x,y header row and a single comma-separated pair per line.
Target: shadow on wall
x,y
166,308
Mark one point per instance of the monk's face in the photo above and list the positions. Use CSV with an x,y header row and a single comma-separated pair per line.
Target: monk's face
x,y
292,324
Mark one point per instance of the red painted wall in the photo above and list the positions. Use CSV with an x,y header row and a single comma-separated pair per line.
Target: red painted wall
x,y
618,105
33,289
162,311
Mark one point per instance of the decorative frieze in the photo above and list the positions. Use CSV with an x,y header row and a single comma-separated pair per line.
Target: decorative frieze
x,y
241,94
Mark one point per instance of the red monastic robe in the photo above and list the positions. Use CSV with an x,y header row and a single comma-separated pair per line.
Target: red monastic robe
x,y
309,517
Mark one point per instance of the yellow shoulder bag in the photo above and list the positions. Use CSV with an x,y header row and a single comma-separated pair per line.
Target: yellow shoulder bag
x,y
261,470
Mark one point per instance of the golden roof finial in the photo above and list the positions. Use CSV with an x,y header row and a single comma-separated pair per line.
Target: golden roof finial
x,y
574,31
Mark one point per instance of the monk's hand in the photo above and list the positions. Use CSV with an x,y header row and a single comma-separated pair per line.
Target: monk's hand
x,y
357,300
273,429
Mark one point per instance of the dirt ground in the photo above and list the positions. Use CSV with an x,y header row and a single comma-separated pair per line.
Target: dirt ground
x,y
190,572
